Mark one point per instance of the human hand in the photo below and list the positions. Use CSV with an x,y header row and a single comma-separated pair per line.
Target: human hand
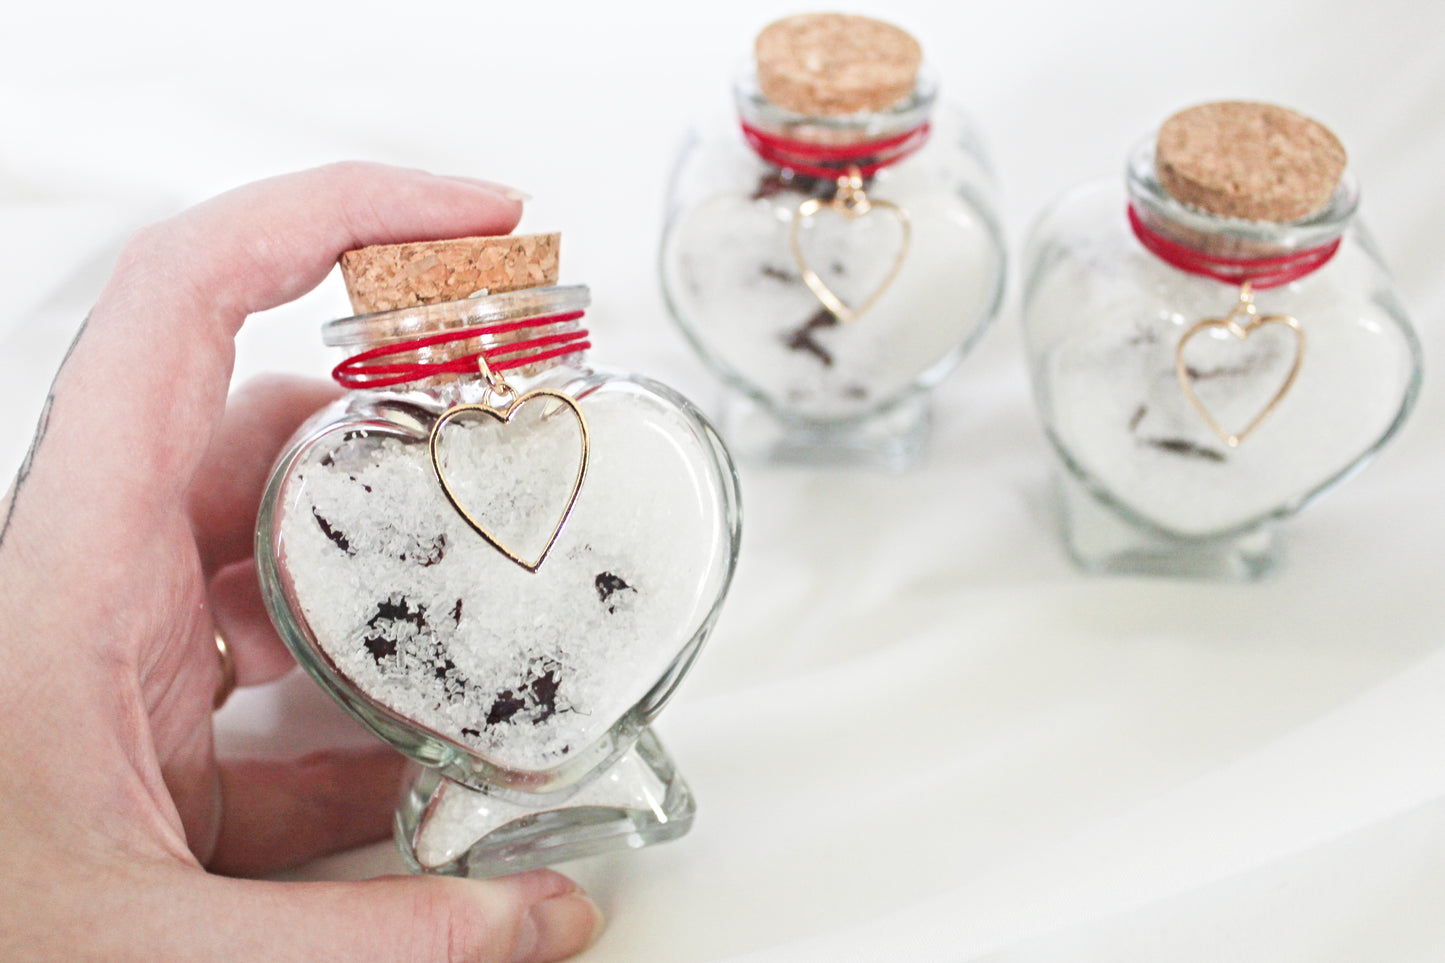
x,y
125,542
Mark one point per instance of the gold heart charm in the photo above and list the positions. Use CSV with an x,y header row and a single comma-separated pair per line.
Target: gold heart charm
x,y
1241,322
519,493
852,203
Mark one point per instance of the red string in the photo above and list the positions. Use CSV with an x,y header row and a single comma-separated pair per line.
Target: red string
x,y
812,159
1265,272
363,370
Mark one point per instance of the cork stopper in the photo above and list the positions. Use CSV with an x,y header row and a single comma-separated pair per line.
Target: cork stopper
x,y
386,277
832,64
1252,161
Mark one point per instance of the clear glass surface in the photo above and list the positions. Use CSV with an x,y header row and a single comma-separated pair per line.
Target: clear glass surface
x,y
928,255
1104,320
445,827
523,685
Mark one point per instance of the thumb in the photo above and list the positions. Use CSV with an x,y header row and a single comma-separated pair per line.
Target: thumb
x,y
530,918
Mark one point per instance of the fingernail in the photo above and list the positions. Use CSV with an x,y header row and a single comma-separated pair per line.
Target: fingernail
x,y
510,193
557,928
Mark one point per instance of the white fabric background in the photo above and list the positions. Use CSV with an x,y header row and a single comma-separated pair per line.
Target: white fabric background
x,y
917,733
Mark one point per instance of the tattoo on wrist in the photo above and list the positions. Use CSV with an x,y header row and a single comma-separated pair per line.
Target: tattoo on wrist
x,y
40,428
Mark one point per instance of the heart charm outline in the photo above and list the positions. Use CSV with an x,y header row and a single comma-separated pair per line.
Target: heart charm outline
x,y
1231,323
852,203
505,417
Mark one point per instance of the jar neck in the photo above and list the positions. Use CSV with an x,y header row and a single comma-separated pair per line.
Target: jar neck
x,y
1227,248
827,146
514,334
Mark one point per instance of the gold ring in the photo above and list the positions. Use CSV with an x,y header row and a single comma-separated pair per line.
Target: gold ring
x,y
227,683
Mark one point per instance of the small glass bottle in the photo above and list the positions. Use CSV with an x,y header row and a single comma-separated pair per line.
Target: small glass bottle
x,y
839,253
1216,349
499,559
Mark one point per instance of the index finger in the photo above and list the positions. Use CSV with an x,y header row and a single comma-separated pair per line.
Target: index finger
x,y
142,391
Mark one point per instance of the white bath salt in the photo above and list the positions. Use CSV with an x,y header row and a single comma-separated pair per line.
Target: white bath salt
x,y
732,273
427,618
1115,405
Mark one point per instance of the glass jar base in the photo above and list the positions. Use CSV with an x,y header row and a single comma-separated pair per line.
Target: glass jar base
x,y
894,438
445,828
1101,542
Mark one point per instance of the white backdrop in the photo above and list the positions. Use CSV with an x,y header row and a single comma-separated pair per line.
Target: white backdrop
x,y
917,733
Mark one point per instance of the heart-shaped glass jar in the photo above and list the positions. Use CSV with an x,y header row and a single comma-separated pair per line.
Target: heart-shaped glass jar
x,y
1191,412
832,262
504,578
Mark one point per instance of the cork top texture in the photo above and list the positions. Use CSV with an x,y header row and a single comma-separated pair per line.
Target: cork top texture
x,y
1256,162
834,64
386,277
